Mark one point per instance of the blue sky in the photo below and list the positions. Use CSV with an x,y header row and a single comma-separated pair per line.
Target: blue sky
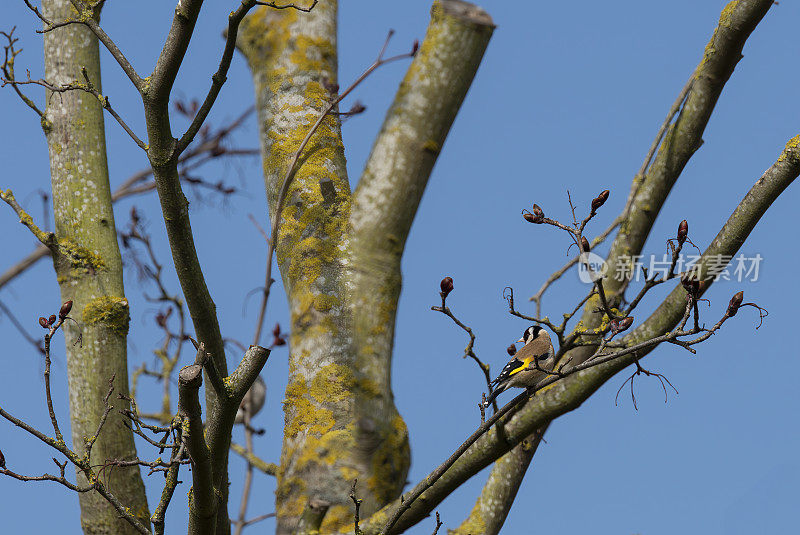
x,y
569,96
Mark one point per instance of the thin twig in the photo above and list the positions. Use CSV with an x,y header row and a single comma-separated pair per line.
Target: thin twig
x,y
673,111
87,87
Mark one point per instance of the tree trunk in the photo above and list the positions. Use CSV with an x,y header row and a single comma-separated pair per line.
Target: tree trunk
x,y
89,268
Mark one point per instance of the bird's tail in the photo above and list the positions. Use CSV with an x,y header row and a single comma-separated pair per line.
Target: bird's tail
x,y
492,396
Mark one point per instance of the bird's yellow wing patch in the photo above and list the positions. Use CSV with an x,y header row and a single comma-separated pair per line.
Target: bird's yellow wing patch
x,y
522,366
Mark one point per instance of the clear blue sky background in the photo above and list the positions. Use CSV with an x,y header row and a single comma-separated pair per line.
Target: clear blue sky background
x,y
569,96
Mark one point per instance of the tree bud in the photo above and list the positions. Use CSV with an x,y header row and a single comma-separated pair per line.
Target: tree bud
x,y
51,320
2,460
512,350
598,201
584,245
536,217
43,322
447,286
624,323
65,309
683,231
736,302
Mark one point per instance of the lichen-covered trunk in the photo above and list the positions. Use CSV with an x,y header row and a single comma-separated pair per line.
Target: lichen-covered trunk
x,y
341,422
89,268
339,251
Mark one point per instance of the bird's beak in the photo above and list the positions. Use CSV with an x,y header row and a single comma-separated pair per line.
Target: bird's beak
x,y
520,341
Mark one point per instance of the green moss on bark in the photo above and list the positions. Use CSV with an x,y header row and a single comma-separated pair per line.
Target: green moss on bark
x,y
110,311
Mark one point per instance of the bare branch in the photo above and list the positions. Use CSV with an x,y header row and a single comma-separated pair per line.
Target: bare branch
x,y
87,87
270,469
88,16
47,238
9,76
498,493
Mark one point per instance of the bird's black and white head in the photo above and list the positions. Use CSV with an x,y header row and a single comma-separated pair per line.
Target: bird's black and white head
x,y
532,333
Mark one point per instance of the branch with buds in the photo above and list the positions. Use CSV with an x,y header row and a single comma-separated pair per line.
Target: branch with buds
x,y
82,462
446,287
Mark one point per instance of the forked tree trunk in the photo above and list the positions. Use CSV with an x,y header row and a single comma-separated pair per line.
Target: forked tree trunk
x,y
339,251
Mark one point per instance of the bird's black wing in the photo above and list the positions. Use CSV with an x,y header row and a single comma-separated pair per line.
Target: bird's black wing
x,y
506,372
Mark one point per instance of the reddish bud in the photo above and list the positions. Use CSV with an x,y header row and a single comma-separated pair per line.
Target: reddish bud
x,y
65,309
356,108
537,216
277,336
694,287
2,460
683,231
600,200
624,323
447,286
584,245
52,319
512,350
43,322
736,302
415,47
134,216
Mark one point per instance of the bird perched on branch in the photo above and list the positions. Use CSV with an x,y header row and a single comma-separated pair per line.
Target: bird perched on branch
x,y
253,401
526,367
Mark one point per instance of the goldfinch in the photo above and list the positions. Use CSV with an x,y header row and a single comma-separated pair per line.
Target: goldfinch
x,y
253,401
521,369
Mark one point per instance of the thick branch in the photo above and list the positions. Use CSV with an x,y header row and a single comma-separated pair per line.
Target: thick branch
x,y
498,493
203,497
416,126
173,51
246,372
684,137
